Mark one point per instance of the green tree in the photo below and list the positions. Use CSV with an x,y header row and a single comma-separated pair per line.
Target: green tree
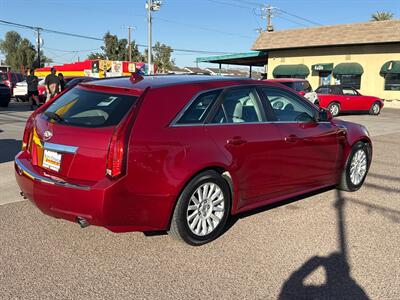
x,y
162,57
20,53
9,47
382,16
97,55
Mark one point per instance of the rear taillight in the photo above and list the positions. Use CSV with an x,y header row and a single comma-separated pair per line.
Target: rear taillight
x,y
25,139
115,156
27,132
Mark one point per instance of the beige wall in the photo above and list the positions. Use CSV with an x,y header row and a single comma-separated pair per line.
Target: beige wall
x,y
370,57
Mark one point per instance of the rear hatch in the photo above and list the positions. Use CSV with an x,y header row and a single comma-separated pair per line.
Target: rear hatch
x,y
70,139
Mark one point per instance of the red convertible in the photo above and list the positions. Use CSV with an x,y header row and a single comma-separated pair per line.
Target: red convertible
x,y
337,99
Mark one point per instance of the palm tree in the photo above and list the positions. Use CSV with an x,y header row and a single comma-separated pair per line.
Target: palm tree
x,y
382,16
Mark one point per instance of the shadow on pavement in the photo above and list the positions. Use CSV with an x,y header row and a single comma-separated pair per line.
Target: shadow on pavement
x,y
8,149
16,106
338,283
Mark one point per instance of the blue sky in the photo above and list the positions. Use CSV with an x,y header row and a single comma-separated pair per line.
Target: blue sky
x,y
210,25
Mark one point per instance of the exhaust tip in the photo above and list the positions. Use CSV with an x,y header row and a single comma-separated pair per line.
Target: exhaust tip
x,y
22,195
82,222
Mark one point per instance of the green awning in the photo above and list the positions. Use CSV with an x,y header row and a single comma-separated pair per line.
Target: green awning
x,y
322,67
291,70
348,69
390,67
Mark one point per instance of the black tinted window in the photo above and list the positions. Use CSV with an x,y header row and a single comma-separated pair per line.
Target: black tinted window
x,y
198,110
350,80
302,86
85,108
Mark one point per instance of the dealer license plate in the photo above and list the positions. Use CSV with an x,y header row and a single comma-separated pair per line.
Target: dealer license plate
x,y
51,160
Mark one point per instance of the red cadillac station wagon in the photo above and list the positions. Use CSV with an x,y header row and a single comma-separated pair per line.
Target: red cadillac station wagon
x,y
182,153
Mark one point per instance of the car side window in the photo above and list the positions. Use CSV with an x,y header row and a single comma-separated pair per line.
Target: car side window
x,y
197,112
349,92
238,106
287,107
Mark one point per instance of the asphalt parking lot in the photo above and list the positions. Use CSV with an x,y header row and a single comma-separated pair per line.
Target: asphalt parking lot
x,y
329,245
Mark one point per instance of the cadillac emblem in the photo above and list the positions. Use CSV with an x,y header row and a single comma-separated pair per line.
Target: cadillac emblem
x,y
47,135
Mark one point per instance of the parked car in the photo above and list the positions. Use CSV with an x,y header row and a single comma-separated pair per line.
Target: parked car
x,y
302,86
5,95
10,79
70,83
21,88
20,91
182,153
337,99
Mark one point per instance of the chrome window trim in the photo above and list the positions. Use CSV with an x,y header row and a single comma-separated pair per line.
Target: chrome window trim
x,y
60,148
222,88
21,169
248,123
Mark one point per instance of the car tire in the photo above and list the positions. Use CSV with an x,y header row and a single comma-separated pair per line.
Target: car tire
x,y
356,168
202,209
375,109
334,108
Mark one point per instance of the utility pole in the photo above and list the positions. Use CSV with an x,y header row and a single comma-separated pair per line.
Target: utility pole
x,y
38,45
130,28
268,10
151,5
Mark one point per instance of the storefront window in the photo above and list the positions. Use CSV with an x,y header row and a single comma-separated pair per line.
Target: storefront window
x,y
290,76
392,82
353,81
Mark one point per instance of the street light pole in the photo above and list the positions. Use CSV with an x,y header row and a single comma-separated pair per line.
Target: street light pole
x,y
151,5
38,46
149,30
130,28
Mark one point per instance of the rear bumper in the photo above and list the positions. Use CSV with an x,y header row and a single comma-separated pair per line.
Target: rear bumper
x,y
105,203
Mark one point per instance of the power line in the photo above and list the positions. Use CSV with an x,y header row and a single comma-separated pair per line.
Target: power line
x,y
229,4
301,18
204,28
100,39
72,51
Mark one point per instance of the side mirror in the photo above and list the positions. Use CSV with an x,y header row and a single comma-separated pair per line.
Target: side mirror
x,y
324,115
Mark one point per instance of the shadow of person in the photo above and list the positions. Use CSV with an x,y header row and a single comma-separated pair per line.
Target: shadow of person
x,y
338,284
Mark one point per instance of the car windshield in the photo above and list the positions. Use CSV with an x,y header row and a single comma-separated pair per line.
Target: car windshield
x,y
302,86
84,108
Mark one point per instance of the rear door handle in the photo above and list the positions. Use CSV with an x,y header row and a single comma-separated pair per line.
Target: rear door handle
x,y
292,138
237,140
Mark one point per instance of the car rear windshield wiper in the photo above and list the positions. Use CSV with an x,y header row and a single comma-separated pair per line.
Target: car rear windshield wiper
x,y
54,116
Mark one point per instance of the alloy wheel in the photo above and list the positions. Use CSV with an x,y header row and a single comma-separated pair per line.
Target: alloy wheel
x,y
358,167
206,209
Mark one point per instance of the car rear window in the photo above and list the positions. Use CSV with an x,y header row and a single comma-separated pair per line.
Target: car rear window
x,y
85,108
